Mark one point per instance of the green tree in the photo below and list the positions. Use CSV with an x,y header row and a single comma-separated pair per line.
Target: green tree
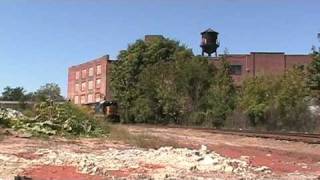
x,y
221,95
13,94
278,102
125,73
313,75
49,91
256,96
291,101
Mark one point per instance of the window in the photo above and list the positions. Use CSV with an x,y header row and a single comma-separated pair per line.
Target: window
x,y
235,69
83,99
77,89
98,98
76,99
90,85
83,86
98,82
91,71
98,69
83,73
90,98
77,75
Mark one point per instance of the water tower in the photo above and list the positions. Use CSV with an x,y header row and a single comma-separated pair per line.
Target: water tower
x,y
209,42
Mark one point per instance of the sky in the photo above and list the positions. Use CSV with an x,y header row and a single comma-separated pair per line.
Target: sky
x,y
40,39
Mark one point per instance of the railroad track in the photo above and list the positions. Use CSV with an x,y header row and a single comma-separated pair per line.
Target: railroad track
x,y
309,138
297,137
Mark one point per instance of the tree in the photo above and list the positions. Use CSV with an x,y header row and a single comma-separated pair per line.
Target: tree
x,y
49,91
313,76
256,96
126,72
13,94
291,101
278,102
221,95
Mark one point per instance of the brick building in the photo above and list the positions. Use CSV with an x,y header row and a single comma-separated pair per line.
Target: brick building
x,y
89,82
263,63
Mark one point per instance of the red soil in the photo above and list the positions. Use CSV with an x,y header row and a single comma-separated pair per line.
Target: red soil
x,y
279,161
70,173
143,169
57,173
28,155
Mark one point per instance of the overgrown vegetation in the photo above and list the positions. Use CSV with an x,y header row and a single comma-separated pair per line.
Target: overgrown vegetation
x,y
140,140
161,81
63,119
278,102
4,120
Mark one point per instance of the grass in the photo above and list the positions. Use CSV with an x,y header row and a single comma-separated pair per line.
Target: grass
x,y
139,140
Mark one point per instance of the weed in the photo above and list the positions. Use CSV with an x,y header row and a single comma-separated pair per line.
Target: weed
x,y
139,140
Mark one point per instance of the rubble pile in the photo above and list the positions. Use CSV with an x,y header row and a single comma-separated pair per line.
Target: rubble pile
x,y
8,113
173,162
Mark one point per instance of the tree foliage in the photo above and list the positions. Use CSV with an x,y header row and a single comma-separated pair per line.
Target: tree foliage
x,y
140,55
161,81
221,95
13,94
314,73
277,102
50,91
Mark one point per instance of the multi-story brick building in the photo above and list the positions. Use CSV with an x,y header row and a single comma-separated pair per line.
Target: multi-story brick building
x,y
263,63
89,82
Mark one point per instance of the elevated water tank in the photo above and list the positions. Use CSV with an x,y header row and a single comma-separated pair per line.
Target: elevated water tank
x,y
209,42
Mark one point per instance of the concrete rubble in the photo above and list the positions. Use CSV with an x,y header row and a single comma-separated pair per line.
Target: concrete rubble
x,y
9,113
171,163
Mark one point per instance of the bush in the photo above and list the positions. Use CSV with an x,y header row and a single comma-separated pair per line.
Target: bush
x,y
4,120
60,119
278,102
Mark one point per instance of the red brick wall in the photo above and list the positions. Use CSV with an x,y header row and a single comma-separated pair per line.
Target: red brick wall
x,y
292,60
255,64
268,64
96,91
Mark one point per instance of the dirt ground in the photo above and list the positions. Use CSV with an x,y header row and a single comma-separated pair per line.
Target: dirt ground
x,y
281,156
44,158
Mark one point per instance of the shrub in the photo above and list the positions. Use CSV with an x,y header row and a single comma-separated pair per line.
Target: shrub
x,y
4,120
278,102
59,119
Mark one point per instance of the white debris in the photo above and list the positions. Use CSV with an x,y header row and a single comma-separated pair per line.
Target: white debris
x,y
174,162
8,113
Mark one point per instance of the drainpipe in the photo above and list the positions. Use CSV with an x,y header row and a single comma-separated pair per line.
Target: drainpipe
x,y
285,63
254,65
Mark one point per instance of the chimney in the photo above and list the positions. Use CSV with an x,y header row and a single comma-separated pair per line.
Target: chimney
x,y
148,38
107,56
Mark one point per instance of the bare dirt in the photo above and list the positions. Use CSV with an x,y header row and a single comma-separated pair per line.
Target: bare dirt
x,y
282,157
234,157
